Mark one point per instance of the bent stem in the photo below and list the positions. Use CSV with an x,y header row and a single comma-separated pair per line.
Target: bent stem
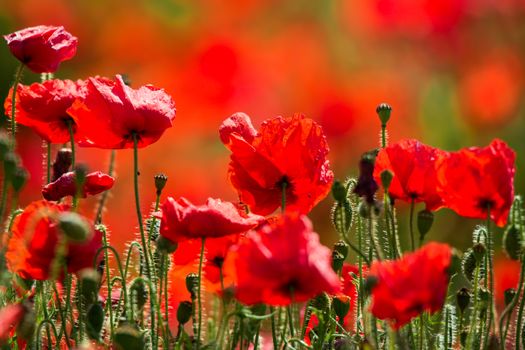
x,y
18,76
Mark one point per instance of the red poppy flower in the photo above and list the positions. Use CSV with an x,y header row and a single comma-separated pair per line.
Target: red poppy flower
x,y
110,113
65,185
181,220
281,263
35,237
474,179
414,167
10,317
42,48
408,286
285,151
42,107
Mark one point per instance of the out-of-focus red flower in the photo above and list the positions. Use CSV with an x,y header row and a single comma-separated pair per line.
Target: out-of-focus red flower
x,y
415,283
181,220
110,113
10,317
285,151
32,249
281,263
42,48
506,275
413,165
42,107
476,178
65,185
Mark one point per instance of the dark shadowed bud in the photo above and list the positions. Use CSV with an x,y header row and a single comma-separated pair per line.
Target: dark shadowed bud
x,y
463,337
10,164
19,179
370,283
62,163
341,304
81,172
364,210
455,263
74,226
339,191
386,178
468,264
160,182
513,242
509,295
484,297
366,185
342,248
463,299
322,302
128,338
425,218
4,144
26,327
94,321
165,245
89,285
138,293
479,250
184,312
383,111
192,284
337,261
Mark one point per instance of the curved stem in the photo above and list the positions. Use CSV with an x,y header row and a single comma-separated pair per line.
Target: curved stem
x,y
18,76
199,298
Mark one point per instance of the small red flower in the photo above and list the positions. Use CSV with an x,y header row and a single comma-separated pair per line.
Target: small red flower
x,y
415,283
42,48
42,107
285,151
475,179
181,220
281,263
32,248
414,167
10,318
65,185
110,113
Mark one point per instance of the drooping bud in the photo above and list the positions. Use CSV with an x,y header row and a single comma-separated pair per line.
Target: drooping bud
x,y
337,261
463,299
366,185
341,305
94,321
513,242
184,312
370,283
19,179
342,248
479,250
160,182
484,297
89,285
339,191
165,245
468,264
62,163
138,293
509,295
425,218
192,284
386,178
74,226
128,338
383,111
322,302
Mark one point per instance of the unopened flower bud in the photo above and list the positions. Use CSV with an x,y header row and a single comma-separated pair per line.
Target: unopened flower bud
x,y
94,321
160,182
341,305
74,226
513,242
10,164
128,338
337,261
339,191
479,250
138,293
370,283
386,178
184,312
192,284
322,302
425,218
509,295
342,248
166,245
463,299
62,162
19,179
89,285
484,297
383,111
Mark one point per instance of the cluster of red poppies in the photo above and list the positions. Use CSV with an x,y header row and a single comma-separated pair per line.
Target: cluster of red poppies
x,y
244,249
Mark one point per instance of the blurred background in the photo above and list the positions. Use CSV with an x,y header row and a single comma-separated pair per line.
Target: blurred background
x,y
453,71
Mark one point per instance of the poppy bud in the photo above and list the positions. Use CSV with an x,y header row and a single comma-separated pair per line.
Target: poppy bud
x,y
509,295
386,178
364,210
89,285
19,179
383,111
165,245
370,283
468,264
62,163
342,248
425,218
463,299
513,242
366,185
192,284
128,338
341,305
337,261
463,337
484,297
94,321
4,144
74,226
184,312
339,191
160,182
479,250
138,293
10,164
322,302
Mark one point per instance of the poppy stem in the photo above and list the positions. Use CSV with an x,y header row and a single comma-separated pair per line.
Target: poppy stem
x,y
491,314
421,331
519,325
72,142
199,299
103,199
18,76
274,330
290,314
383,135
48,162
411,225
474,313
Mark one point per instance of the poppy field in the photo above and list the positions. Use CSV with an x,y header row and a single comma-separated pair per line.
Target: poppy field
x,y
110,239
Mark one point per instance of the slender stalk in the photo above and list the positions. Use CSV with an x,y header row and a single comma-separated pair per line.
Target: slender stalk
x,y
199,297
103,199
373,237
491,310
108,280
519,325
274,330
421,331
18,76
72,141
383,135
44,310
474,313
48,162
411,225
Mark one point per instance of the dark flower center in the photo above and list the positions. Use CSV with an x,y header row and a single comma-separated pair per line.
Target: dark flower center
x,y
284,182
